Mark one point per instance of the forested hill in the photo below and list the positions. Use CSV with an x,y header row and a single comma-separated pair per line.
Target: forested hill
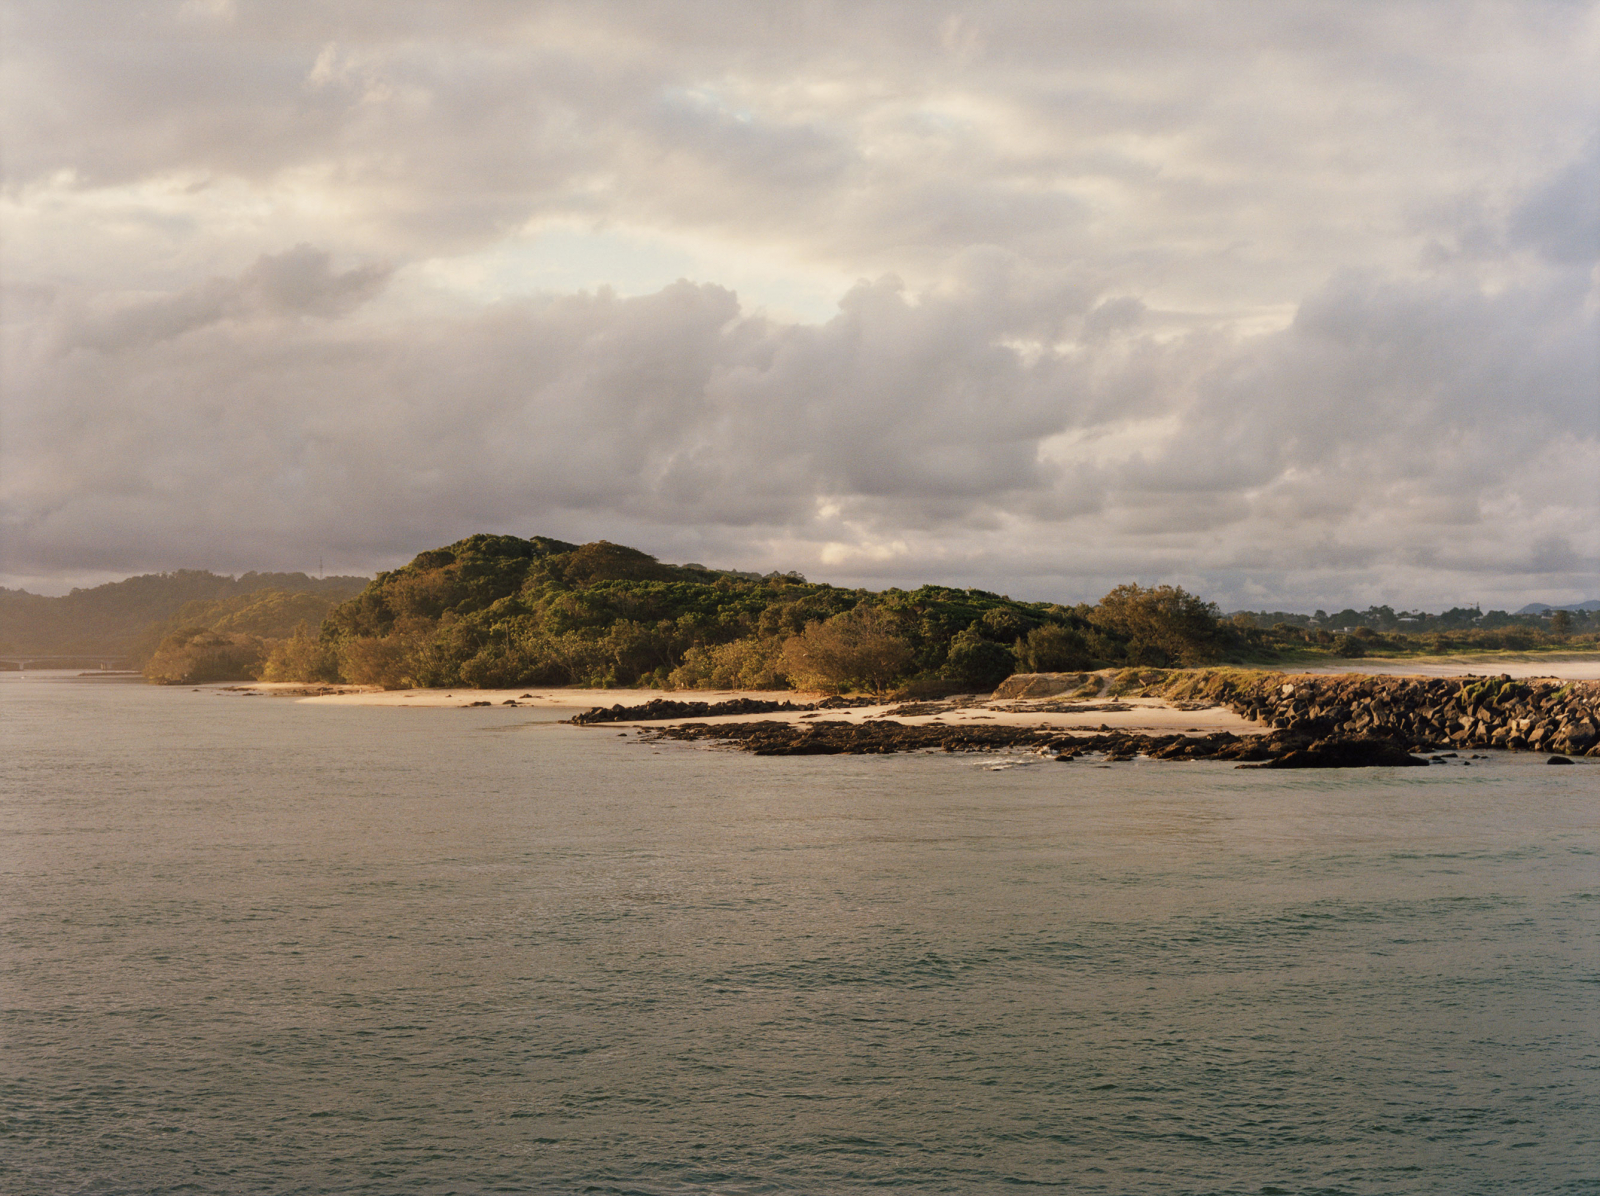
x,y
494,611
117,618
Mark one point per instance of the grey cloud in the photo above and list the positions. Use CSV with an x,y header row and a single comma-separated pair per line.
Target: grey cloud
x,y
445,143
301,281
742,146
904,419
1562,218
1113,315
1095,208
297,282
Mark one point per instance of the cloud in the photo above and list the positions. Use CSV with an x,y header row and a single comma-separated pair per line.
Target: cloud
x,y
1562,216
297,282
1294,301
1374,428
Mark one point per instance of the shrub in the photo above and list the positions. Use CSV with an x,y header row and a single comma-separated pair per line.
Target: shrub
x,y
743,664
301,657
196,655
1053,649
1349,645
1163,625
978,662
859,647
374,660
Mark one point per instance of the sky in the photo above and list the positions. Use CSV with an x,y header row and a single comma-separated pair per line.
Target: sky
x,y
1291,304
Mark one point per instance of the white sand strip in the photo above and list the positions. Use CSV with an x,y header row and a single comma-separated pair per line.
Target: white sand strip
x,y
1139,714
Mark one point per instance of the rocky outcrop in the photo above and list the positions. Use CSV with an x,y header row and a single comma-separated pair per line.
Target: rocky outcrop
x,y
663,709
1345,753
884,736
1312,722
1463,712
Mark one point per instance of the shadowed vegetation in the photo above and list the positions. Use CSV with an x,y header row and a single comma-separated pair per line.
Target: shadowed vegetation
x,y
129,618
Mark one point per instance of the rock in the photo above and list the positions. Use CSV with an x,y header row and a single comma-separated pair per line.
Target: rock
x,y
1320,722
1558,760
1346,753
661,709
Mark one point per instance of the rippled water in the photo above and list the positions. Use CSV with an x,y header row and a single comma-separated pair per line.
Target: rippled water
x,y
256,946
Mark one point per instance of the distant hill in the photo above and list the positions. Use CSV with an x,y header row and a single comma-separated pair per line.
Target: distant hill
x,y
1539,608
121,617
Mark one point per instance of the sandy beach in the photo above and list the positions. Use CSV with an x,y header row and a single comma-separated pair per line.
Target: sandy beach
x,y
1149,715
1144,715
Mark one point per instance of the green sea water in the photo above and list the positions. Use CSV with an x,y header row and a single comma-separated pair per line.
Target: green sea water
x,y
254,946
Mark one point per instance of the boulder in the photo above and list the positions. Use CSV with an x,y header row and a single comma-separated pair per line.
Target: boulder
x,y
1346,753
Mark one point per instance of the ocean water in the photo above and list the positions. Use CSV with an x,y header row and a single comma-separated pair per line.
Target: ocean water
x,y
260,947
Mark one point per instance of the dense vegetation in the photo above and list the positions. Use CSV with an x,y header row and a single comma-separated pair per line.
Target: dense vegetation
x,y
498,611
229,639
118,619
493,611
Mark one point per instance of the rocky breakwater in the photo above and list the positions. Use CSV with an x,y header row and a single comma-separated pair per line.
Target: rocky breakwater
x,y
1422,713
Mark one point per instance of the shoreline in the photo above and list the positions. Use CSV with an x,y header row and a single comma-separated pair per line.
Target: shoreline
x,y
1141,715
1266,717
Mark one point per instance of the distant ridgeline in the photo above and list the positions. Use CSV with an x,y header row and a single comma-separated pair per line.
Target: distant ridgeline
x,y
129,622
1461,629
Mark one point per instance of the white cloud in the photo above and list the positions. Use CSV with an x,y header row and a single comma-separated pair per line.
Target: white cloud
x,y
1295,302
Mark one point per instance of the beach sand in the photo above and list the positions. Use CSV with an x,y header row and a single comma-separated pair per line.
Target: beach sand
x,y
1147,715
1136,714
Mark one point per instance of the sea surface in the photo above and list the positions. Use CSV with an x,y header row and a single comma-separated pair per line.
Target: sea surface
x,y
254,946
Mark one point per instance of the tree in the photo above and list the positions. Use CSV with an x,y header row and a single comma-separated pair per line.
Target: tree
x,y
1053,649
859,647
1163,625
195,655
301,657
1349,645
978,662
